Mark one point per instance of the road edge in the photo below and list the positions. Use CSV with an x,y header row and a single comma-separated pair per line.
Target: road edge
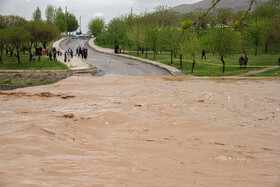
x,y
172,70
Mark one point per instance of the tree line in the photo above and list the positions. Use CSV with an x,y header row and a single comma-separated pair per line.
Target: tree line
x,y
222,31
65,22
19,35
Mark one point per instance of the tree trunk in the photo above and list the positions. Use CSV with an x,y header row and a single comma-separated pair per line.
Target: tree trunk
x,y
266,47
137,50
1,55
171,56
142,50
256,50
154,54
224,65
181,61
11,52
18,55
193,65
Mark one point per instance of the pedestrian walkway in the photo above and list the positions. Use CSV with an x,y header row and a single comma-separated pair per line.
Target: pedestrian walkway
x,y
75,64
174,71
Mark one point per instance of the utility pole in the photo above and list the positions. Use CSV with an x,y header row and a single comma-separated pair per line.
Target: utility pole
x,y
66,20
131,11
80,24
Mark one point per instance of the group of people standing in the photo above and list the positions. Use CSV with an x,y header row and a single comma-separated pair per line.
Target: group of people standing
x,y
83,52
243,61
68,54
53,54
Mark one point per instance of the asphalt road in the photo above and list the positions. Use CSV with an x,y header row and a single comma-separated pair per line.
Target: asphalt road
x,y
111,64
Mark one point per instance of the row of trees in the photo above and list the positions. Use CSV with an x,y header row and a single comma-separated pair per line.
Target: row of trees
x,y
19,35
219,31
65,22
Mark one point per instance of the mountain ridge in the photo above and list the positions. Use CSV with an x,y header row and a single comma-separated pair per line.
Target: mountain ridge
x,y
237,5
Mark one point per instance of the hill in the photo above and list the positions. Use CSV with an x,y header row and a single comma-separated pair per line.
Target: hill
x,y
237,5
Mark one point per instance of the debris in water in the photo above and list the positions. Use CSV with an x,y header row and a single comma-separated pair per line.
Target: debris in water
x,y
68,115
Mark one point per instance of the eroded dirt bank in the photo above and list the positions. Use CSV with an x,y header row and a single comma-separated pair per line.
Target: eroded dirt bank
x,y
141,131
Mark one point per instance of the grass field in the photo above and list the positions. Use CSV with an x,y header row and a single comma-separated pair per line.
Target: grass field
x,y
11,63
212,66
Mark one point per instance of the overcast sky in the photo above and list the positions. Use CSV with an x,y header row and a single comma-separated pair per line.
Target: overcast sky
x,y
88,9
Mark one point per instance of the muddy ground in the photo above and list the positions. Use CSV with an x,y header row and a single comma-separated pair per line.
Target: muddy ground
x,y
142,131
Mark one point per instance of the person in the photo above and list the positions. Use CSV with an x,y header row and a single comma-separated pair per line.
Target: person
x,y
54,56
77,51
245,61
203,54
68,55
7,50
80,51
85,53
241,61
40,54
34,56
279,61
71,53
65,56
54,49
120,48
30,56
50,55
58,52
116,49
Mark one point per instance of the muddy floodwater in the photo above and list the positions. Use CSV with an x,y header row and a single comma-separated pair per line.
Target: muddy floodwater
x,y
142,131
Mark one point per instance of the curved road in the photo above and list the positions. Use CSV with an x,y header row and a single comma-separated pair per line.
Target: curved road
x,y
111,64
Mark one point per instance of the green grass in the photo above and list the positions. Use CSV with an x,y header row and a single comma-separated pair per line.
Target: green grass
x,y
270,73
10,63
212,66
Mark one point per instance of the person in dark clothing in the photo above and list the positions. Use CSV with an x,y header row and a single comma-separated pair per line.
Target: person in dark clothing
x,y
50,56
245,61
71,53
80,51
54,49
241,61
279,61
40,54
65,56
77,51
30,56
203,54
7,51
116,49
85,53
54,56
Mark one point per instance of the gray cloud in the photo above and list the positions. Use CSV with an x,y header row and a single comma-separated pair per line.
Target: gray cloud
x,y
88,9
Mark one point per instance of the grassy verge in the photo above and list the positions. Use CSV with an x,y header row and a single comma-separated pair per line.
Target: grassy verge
x,y
212,66
11,63
270,73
